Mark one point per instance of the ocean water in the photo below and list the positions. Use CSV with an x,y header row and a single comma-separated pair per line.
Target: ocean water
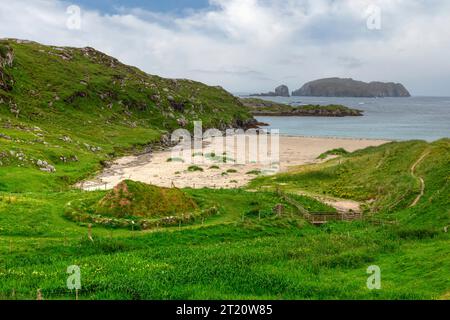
x,y
424,118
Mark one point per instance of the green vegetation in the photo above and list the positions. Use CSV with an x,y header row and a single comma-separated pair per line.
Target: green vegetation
x,y
76,109
214,167
260,107
194,168
381,179
231,171
175,159
256,172
333,152
243,251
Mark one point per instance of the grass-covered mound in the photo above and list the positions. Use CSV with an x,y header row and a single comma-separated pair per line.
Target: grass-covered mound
x,y
137,199
137,206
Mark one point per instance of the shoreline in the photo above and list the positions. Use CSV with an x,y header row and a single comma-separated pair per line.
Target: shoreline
x,y
156,168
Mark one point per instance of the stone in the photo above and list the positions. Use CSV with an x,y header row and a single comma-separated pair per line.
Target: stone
x,y
280,91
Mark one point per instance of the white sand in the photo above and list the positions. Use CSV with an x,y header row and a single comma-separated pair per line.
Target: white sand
x,y
155,169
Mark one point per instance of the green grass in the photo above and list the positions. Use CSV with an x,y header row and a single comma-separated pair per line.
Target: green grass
x,y
244,252
333,152
175,159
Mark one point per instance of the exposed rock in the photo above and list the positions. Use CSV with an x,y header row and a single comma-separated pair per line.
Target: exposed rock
x,y
68,159
280,91
45,166
338,87
6,60
66,139
4,136
92,148
14,109
182,122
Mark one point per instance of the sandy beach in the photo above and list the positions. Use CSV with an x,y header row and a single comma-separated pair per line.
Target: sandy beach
x,y
160,169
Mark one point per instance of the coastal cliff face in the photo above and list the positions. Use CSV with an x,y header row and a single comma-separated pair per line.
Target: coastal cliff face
x,y
338,87
280,91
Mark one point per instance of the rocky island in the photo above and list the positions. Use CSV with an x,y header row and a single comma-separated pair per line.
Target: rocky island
x,y
340,87
260,107
280,91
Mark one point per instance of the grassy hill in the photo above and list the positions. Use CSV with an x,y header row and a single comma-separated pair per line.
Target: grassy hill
x,y
73,108
383,180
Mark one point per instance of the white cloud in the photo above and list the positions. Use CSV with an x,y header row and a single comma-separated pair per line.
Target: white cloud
x,y
251,45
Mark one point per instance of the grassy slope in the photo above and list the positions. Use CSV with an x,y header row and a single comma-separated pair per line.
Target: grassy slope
x,y
228,257
381,178
94,100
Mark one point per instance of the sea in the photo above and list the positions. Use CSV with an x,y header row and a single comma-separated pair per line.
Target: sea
x,y
422,118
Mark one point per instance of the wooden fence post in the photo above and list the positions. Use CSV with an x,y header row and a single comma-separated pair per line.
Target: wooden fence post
x,y
90,232
39,295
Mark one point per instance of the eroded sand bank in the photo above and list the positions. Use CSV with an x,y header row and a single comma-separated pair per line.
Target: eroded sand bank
x,y
155,168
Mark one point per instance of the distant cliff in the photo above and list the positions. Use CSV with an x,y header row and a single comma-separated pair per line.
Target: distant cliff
x,y
339,87
280,91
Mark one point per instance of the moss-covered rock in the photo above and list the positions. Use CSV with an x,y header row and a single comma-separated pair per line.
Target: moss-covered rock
x,y
137,199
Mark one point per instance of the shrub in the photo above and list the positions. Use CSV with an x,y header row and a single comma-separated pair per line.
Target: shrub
x,y
194,168
333,152
175,160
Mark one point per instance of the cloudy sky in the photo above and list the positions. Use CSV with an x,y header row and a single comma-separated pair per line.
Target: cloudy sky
x,y
253,45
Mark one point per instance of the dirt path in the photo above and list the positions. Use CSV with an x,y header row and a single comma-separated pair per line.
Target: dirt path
x,y
341,205
422,182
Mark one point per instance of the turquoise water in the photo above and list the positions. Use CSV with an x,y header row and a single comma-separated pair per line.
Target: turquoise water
x,y
425,118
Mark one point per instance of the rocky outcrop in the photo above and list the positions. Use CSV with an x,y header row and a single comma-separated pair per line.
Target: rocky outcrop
x,y
259,107
338,87
280,91
6,60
